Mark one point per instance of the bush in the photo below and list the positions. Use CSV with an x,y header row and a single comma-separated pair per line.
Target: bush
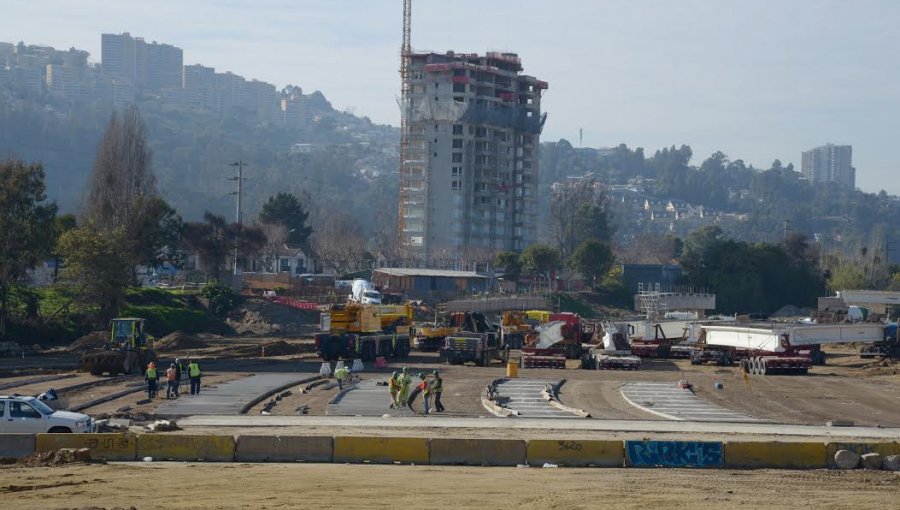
x,y
221,298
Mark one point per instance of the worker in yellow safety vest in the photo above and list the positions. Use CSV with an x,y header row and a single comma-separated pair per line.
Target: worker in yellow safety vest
x,y
437,387
405,381
151,378
394,388
194,374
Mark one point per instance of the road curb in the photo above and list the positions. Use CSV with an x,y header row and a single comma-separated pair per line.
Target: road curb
x,y
256,400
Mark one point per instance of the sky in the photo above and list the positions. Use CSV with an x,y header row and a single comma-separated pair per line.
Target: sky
x,y
757,79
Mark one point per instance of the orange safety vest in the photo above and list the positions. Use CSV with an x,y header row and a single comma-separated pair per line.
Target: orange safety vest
x,y
170,374
393,385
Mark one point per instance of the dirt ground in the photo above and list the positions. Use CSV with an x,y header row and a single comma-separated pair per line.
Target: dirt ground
x,y
323,486
864,391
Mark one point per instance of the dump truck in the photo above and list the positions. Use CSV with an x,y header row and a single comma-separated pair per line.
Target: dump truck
x,y
128,351
364,331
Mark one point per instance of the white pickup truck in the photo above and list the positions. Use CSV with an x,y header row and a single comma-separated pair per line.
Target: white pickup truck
x,y
28,415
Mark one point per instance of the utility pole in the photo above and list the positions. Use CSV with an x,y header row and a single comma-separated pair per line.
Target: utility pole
x,y
238,214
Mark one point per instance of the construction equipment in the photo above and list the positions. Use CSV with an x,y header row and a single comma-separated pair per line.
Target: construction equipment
x,y
364,331
613,353
128,351
513,328
480,348
430,337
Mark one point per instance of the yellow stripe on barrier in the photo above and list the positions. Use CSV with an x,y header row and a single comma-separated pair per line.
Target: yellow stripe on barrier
x,y
186,447
381,449
117,447
773,454
576,453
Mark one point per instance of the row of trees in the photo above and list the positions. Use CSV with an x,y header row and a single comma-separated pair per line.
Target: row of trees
x,y
125,224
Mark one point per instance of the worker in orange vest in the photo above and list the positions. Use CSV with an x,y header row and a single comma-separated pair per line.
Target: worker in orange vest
x,y
171,382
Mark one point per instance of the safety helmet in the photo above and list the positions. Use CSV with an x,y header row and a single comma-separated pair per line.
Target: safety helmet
x,y
395,374
405,370
435,373
421,375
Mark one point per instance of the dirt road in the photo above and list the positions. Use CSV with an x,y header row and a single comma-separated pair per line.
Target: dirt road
x,y
323,486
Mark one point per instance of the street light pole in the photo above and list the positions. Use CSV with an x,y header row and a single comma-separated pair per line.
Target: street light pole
x,y
238,215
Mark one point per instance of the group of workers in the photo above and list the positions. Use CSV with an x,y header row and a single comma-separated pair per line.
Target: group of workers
x,y
173,378
399,386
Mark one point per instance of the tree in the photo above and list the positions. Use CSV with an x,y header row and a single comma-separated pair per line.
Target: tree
x,y
340,242
592,259
540,259
286,209
511,264
122,180
215,240
99,263
578,212
26,226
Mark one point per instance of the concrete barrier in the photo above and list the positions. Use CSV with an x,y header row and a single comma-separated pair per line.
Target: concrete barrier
x,y
383,450
186,447
884,449
478,452
774,455
682,454
284,449
576,453
16,445
116,447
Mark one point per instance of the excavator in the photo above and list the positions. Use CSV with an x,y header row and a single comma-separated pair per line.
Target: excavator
x,y
128,351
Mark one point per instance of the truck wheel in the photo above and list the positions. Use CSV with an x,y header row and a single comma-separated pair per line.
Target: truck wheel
x,y
60,430
331,348
752,364
763,368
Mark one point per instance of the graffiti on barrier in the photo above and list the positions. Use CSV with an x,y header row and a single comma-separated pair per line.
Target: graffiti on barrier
x,y
674,453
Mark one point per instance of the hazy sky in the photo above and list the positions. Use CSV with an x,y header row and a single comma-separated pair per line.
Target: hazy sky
x,y
757,79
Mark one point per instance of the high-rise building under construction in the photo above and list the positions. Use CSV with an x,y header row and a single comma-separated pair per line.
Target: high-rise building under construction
x,y
469,169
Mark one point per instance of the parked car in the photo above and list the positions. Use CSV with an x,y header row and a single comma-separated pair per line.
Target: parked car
x,y
28,415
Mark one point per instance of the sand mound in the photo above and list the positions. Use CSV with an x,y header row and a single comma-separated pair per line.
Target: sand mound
x,y
55,458
179,341
95,340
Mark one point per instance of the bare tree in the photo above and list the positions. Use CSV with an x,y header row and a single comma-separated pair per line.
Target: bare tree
x,y
122,180
276,236
339,241
578,211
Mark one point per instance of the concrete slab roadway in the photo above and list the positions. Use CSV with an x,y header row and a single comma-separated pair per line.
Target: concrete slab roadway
x,y
230,397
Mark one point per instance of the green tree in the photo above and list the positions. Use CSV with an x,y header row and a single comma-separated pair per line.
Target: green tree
x,y
592,259
215,240
540,259
26,227
511,264
99,264
286,209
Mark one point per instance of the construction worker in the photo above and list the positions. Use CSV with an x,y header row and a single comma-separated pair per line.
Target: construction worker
x,y
405,381
151,378
422,387
171,382
341,376
179,373
437,387
394,388
194,374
